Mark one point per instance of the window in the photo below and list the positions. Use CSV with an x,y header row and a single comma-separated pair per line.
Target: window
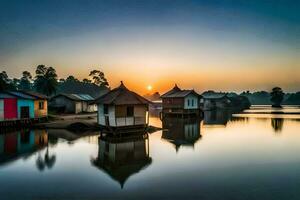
x,y
188,102
105,109
41,105
129,111
192,102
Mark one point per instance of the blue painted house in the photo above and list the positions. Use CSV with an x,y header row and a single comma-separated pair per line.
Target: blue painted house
x,y
25,105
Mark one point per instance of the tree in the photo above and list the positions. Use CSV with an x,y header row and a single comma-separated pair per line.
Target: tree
x,y
98,78
277,96
71,78
45,80
5,82
25,81
87,81
15,83
61,80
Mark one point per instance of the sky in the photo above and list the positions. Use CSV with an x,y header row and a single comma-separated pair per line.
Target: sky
x,y
221,45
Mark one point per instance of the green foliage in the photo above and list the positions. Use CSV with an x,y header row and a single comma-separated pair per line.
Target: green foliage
x,y
277,96
45,80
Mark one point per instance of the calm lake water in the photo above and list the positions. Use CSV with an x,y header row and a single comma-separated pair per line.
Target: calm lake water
x,y
249,156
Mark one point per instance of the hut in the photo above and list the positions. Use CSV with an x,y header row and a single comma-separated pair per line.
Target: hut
x,y
181,102
122,157
122,108
18,108
40,104
16,105
73,103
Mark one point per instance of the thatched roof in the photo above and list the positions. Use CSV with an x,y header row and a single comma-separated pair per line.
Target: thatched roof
x,y
122,96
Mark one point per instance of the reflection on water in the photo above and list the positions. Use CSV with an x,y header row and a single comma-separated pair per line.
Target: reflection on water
x,y
23,144
238,157
217,117
277,124
181,131
122,157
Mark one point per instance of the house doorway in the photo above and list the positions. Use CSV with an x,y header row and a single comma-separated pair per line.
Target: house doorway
x,y
24,112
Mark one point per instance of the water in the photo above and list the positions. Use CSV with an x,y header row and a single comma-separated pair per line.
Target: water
x,y
221,157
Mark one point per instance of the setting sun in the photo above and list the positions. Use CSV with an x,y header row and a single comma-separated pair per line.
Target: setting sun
x,y
149,87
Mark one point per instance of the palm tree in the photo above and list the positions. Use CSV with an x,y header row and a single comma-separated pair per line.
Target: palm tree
x,y
277,96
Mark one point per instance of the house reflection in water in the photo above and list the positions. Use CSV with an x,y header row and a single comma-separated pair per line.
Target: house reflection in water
x,y
181,131
277,124
217,117
21,144
122,157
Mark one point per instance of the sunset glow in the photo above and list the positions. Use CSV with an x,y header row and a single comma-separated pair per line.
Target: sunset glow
x,y
149,87
198,44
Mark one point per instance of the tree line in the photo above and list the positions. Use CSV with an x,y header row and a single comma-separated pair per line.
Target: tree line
x,y
46,80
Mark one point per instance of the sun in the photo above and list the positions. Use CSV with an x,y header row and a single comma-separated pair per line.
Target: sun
x,y
149,87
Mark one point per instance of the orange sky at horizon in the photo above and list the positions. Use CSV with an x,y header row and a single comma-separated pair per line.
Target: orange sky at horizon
x,y
193,63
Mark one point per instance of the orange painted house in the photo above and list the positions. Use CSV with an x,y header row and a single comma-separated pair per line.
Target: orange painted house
x,y
40,104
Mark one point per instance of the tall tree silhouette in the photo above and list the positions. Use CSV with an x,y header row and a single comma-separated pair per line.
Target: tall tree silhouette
x,y
25,81
98,78
5,82
277,96
45,80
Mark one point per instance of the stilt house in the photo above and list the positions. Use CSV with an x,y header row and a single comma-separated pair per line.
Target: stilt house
x,y
181,102
122,108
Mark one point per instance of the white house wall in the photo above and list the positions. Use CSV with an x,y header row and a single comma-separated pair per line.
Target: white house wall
x,y
101,119
112,117
78,107
138,119
92,108
191,97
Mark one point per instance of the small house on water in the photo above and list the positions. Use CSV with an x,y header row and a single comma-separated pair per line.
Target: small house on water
x,y
181,102
122,108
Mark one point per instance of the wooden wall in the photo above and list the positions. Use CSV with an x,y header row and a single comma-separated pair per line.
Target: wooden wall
x,y
40,112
